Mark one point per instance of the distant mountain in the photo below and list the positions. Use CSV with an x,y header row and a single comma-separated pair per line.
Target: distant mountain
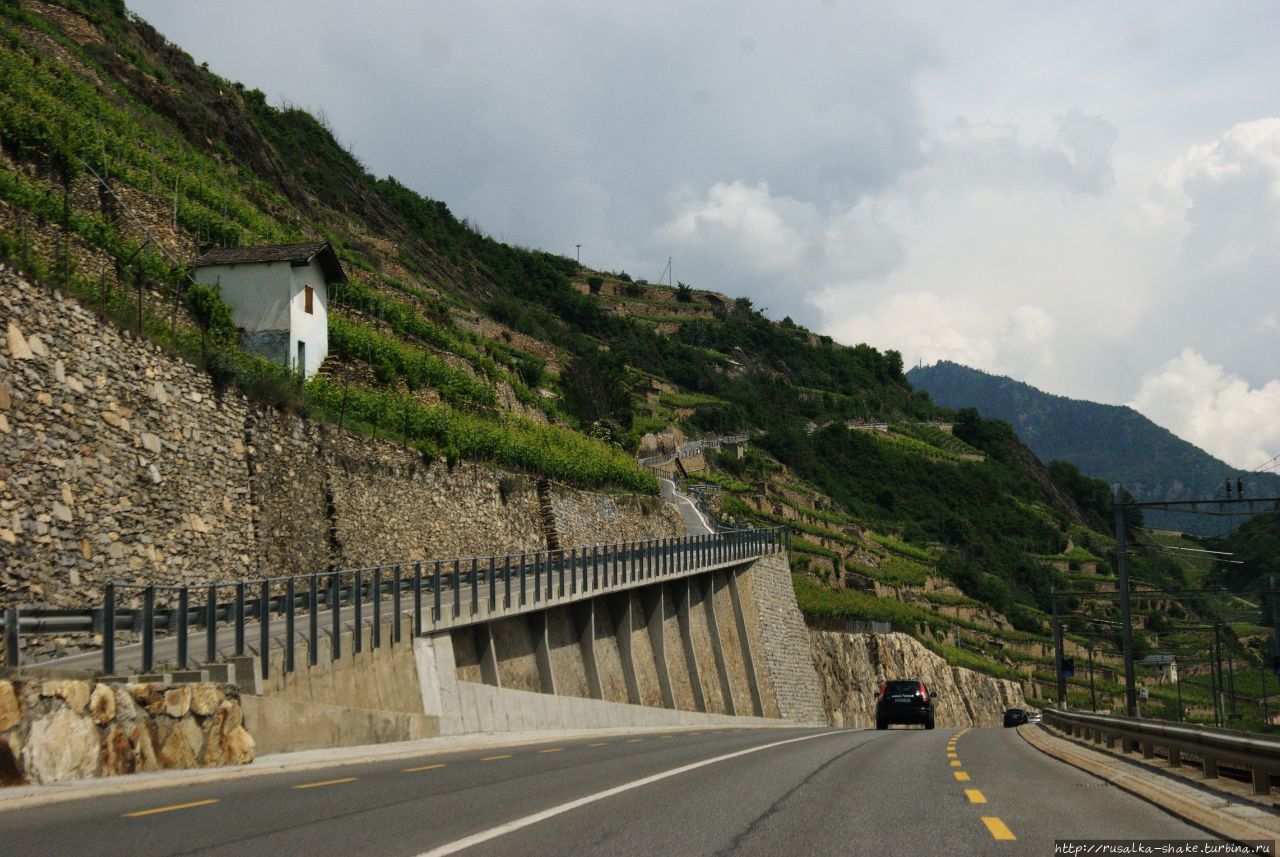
x,y
1108,442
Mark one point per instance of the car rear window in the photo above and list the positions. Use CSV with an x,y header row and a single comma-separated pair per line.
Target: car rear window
x,y
897,688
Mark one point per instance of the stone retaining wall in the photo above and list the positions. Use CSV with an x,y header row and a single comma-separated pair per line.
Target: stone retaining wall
x,y
853,666
56,730
121,463
787,653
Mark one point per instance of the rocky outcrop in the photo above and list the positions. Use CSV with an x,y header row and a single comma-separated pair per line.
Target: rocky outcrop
x,y
852,667
53,731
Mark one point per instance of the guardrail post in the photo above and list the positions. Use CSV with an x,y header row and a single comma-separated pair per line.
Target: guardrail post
x,y
1261,781
335,615
506,581
537,578
148,629
457,588
289,648
183,605
313,620
264,627
437,611
375,602
475,586
240,618
492,579
357,597
395,607
523,585
1209,765
108,630
211,625
12,639
417,600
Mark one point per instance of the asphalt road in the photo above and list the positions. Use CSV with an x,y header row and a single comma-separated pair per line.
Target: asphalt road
x,y
742,792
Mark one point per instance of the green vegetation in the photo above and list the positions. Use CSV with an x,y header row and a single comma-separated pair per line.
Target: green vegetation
x,y
555,452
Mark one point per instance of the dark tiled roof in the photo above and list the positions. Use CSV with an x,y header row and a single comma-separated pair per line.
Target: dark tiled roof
x,y
301,253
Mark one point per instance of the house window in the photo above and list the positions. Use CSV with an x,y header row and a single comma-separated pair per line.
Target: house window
x,y
309,299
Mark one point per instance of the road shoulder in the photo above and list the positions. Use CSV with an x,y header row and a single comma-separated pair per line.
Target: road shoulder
x,y
1218,812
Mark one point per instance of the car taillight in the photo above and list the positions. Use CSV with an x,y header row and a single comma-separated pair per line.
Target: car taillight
x,y
883,688
924,694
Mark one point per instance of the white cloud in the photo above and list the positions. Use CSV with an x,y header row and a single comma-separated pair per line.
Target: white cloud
x,y
928,327
1214,409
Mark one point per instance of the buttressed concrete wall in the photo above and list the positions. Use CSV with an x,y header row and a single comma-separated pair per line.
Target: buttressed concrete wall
x,y
700,649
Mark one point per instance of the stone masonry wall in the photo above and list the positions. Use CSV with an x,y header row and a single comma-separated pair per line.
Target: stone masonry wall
x,y
116,461
588,518
787,651
121,463
51,731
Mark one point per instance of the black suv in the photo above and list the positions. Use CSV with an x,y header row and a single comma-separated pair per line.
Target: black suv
x,y
904,701
1014,717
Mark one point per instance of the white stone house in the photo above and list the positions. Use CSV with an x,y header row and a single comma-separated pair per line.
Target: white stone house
x,y
1165,666
279,295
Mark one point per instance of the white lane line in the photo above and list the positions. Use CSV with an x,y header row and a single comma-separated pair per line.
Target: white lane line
x,y
503,829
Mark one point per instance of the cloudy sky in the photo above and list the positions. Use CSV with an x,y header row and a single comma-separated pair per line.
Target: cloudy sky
x,y
1083,196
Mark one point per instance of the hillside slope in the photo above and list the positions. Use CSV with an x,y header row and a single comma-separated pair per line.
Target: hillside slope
x,y
122,160
1108,442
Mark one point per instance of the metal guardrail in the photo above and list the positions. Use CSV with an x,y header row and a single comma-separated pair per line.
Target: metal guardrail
x,y
692,448
448,588
1257,754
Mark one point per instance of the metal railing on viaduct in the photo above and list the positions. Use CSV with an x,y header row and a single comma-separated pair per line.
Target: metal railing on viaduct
x,y
429,596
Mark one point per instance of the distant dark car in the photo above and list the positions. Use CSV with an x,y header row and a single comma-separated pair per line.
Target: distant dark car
x,y
1014,717
904,701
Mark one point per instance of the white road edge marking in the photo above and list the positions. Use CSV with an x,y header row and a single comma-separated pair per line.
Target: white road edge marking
x,y
503,829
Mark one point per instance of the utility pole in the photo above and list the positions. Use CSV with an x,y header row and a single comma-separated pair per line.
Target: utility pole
x,y
1231,679
579,248
1219,715
1126,630
1093,694
1057,650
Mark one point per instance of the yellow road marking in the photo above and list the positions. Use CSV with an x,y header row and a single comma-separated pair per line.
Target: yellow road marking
x,y
495,758
955,763
975,796
142,812
325,783
552,750
961,776
666,736
424,768
952,756
997,828
634,740
599,744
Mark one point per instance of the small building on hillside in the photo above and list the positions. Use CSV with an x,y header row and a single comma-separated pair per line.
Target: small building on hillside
x,y
1165,667
279,295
